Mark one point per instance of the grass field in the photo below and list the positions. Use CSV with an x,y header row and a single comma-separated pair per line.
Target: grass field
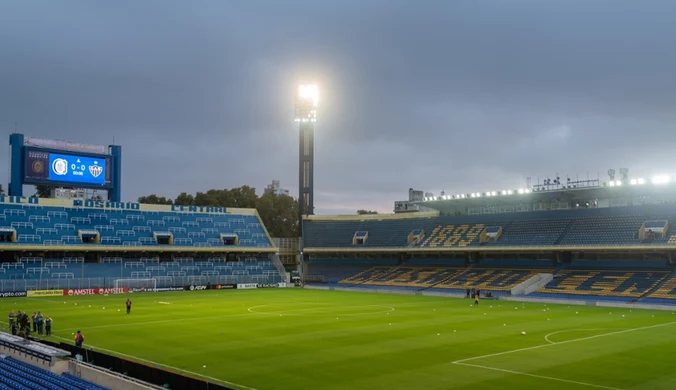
x,y
308,339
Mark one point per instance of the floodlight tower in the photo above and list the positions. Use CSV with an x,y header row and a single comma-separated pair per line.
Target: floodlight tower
x,y
306,116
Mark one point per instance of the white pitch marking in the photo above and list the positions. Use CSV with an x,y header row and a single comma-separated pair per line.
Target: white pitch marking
x,y
539,376
572,330
164,365
563,342
462,361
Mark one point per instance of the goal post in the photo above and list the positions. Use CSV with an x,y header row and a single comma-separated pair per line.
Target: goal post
x,y
136,283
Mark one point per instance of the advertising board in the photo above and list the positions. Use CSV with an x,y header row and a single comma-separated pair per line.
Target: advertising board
x,y
271,285
93,291
159,289
246,286
223,286
196,287
13,294
45,293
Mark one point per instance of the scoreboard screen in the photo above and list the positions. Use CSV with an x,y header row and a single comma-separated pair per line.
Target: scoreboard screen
x,y
46,167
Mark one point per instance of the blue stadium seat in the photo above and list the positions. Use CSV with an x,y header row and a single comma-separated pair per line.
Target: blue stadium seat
x,y
63,225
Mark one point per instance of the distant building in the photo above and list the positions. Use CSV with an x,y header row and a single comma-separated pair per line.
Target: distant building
x,y
409,206
275,188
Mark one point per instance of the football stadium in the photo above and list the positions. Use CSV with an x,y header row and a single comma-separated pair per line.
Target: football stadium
x,y
562,285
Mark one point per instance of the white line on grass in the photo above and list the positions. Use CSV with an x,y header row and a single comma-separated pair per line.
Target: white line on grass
x,y
564,342
461,362
574,330
159,364
539,376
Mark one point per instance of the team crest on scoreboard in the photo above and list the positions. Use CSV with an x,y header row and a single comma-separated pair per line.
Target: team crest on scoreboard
x,y
95,170
38,166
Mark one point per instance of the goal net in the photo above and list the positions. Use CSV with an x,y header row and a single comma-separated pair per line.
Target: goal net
x,y
148,284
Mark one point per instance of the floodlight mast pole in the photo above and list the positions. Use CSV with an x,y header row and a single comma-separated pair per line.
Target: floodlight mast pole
x,y
306,117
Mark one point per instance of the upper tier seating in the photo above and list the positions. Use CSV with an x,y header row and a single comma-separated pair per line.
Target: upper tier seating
x,y
598,226
38,224
15,374
453,235
604,282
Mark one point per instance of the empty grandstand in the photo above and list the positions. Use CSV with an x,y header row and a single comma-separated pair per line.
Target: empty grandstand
x,y
15,374
596,242
73,240
63,223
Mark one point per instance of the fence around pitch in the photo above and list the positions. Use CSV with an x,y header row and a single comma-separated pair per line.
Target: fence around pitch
x,y
85,283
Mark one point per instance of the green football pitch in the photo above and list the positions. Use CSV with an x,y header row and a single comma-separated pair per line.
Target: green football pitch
x,y
310,339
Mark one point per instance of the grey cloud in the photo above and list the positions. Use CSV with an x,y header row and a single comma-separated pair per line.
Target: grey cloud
x,y
463,96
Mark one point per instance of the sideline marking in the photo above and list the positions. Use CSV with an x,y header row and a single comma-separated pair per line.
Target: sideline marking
x,y
461,362
94,347
166,365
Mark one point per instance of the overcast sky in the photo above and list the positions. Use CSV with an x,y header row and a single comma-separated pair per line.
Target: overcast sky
x,y
452,95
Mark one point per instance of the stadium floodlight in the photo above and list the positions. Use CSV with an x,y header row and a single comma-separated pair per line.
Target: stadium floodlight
x,y
520,191
640,181
306,103
660,179
527,191
509,192
618,183
493,193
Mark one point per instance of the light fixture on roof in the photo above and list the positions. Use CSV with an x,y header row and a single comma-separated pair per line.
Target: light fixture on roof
x,y
306,103
660,179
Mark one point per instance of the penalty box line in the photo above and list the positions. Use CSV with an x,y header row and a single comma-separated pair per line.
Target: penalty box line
x,y
551,378
462,362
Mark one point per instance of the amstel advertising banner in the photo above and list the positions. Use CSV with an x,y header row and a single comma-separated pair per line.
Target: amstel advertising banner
x,y
93,291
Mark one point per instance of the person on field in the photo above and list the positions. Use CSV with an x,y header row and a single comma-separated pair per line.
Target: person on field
x,y
128,305
79,339
11,318
35,322
41,323
476,299
48,326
